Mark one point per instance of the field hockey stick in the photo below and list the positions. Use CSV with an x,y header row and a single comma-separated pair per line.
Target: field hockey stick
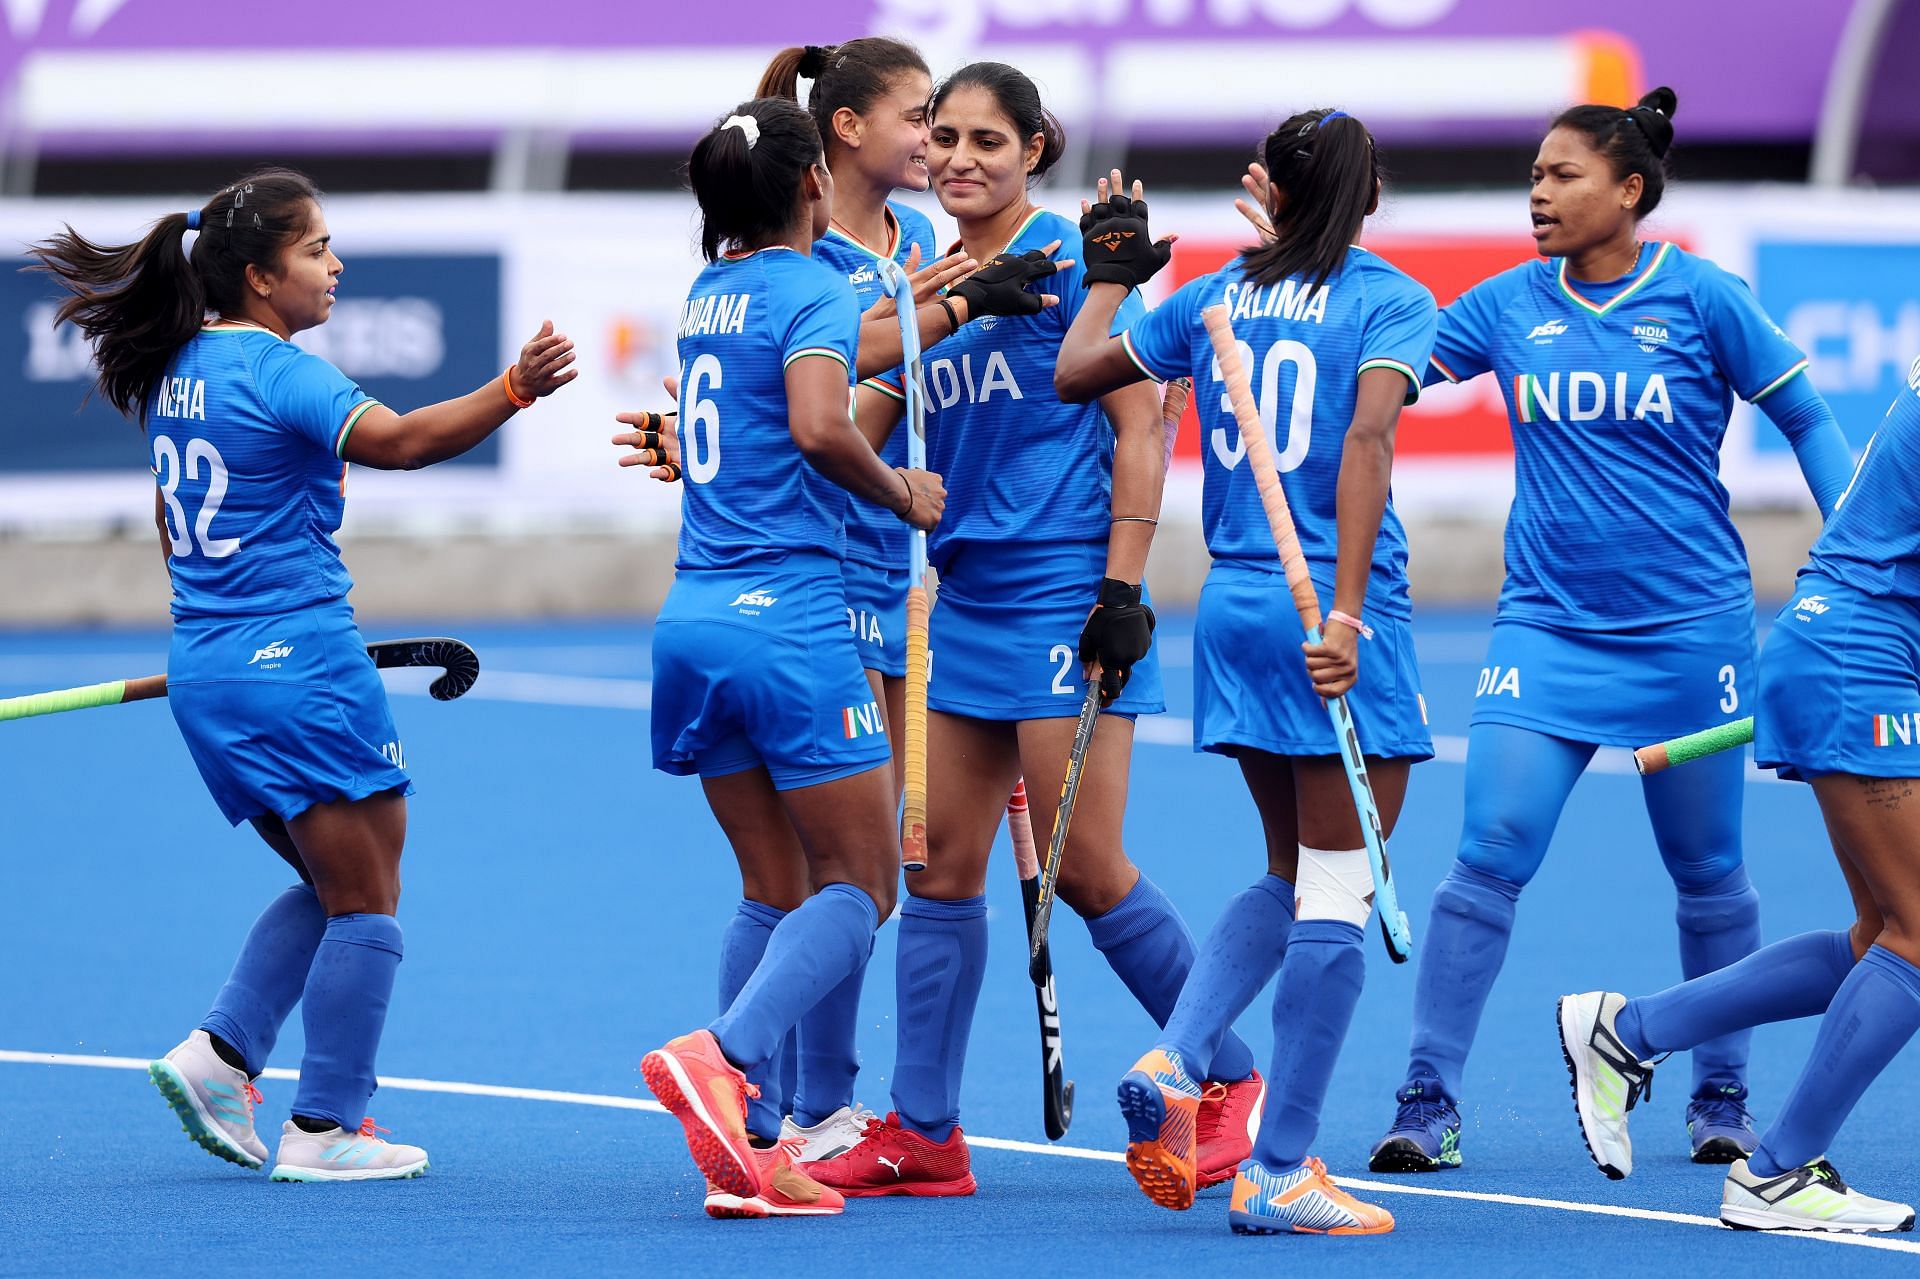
x,y
1056,1088
1394,929
1062,817
1173,406
459,668
1684,750
913,815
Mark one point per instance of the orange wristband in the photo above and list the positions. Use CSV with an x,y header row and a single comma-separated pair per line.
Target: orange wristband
x,y
506,384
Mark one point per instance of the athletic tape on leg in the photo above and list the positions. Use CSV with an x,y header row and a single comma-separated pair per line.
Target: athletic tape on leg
x,y
1334,885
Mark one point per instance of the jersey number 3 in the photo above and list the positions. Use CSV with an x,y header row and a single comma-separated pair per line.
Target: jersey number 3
x,y
167,471
1266,396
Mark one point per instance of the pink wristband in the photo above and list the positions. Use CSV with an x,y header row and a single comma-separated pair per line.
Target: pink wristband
x,y
1348,619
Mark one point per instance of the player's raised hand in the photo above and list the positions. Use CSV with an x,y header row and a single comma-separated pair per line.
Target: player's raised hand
x,y
1254,207
544,364
1120,248
1000,287
655,439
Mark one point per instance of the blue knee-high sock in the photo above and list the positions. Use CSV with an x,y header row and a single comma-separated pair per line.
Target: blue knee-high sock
x,y
1147,945
1873,1015
741,947
1788,980
827,1058
1240,957
811,951
1719,925
268,976
942,957
344,1010
1466,944
1320,981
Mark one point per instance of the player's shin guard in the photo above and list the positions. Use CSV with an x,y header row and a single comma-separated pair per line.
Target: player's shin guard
x,y
269,976
1239,958
344,1009
1149,948
942,958
1313,1003
1873,1015
810,953
1719,925
741,948
827,1058
1466,944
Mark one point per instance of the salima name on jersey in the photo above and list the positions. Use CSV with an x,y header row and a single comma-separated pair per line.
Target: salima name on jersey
x,y
1290,300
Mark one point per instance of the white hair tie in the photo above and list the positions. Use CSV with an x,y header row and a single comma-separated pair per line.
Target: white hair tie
x,y
746,124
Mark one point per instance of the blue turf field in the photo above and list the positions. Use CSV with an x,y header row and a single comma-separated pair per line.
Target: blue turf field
x,y
562,908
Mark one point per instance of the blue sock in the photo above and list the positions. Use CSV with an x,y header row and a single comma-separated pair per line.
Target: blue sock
x,y
1873,1015
268,976
1467,933
1240,957
1719,926
345,1008
1782,982
827,1059
1147,945
811,951
741,947
1320,981
943,956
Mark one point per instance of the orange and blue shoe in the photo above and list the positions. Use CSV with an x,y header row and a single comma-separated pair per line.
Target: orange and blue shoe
x,y
892,1159
694,1080
1161,1104
1304,1201
1228,1118
785,1191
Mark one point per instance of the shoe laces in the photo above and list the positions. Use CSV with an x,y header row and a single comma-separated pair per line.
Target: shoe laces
x,y
1726,1105
371,1131
254,1098
1419,1109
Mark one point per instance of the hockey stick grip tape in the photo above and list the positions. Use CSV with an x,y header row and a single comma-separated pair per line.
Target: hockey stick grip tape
x,y
1684,750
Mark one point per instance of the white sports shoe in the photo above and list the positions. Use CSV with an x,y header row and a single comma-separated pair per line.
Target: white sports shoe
x,y
1607,1080
835,1135
339,1155
214,1101
1811,1197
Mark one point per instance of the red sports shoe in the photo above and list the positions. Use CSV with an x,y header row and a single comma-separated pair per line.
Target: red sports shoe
x,y
892,1160
785,1192
1229,1117
694,1080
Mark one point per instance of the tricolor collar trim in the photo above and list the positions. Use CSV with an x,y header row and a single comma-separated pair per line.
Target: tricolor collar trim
x,y
1597,308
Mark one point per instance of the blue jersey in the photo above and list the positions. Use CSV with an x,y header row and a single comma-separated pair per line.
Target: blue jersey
x,y
1304,349
1019,465
874,535
1872,540
246,432
1618,396
749,494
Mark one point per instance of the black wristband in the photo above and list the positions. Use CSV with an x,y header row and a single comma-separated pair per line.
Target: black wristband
x,y
1115,593
953,317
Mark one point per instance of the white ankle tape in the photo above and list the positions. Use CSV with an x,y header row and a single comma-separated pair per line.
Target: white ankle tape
x,y
1334,885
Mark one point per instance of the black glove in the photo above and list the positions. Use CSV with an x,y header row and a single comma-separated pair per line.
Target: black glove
x,y
1116,246
1000,287
1117,635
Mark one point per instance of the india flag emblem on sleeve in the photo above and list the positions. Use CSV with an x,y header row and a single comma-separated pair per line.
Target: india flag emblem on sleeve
x,y
1888,729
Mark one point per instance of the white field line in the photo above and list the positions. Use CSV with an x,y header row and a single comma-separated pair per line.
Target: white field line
x,y
610,1102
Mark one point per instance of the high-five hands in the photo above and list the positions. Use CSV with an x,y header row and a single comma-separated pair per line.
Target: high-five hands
x,y
1114,236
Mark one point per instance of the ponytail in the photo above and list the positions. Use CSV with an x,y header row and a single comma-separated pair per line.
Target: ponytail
x,y
746,173
138,304
1326,165
1635,140
850,76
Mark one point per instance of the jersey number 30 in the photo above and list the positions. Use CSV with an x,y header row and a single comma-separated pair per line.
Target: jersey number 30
x,y
1266,396
167,470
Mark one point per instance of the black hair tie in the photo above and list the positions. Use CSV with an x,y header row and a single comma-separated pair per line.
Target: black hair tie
x,y
813,60
1655,127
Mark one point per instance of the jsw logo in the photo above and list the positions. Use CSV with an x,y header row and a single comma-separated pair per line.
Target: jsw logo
x,y
1812,604
865,275
754,599
273,652
1551,329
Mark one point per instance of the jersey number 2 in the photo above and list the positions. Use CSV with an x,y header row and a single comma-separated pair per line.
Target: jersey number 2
x,y
167,470
1266,397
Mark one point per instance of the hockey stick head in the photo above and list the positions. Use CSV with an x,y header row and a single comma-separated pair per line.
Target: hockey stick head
x,y
458,663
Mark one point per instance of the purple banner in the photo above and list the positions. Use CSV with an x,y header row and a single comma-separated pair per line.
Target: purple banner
x,y
1742,68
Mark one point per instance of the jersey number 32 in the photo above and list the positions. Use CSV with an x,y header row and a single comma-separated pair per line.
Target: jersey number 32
x,y
167,470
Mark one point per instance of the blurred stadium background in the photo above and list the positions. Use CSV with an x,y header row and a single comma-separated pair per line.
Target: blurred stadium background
x,y
491,165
